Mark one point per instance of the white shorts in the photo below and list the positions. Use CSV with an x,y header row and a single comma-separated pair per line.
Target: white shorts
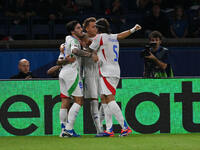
x,y
70,85
108,85
91,87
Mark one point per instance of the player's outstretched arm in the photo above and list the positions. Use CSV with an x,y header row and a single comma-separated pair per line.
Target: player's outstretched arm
x,y
81,53
53,69
125,34
67,60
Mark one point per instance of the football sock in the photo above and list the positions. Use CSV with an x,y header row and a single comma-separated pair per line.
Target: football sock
x,y
63,117
102,116
95,114
114,107
108,117
73,112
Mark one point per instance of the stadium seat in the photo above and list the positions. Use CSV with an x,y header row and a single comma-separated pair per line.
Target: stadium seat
x,y
19,31
40,29
59,31
3,27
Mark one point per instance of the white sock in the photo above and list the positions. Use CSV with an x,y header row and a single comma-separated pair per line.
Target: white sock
x,y
94,104
114,107
63,117
73,112
108,117
102,116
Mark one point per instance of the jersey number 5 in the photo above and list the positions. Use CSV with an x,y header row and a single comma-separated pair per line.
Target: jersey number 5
x,y
114,50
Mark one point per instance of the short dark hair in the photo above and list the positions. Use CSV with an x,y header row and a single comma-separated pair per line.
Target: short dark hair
x,y
103,25
155,34
87,21
71,26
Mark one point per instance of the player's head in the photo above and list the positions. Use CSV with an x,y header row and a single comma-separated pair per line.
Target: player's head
x,y
103,25
179,11
155,37
89,26
74,28
24,66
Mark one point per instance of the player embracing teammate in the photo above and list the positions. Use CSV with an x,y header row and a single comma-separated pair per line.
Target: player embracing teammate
x,y
104,48
71,86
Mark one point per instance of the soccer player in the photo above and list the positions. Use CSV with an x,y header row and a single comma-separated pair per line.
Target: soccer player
x,y
91,77
69,77
54,71
107,47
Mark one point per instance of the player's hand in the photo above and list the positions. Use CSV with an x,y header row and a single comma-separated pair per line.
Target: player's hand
x,y
62,48
137,27
95,58
83,43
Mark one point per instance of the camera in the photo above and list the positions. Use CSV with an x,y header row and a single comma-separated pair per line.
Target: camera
x,y
147,50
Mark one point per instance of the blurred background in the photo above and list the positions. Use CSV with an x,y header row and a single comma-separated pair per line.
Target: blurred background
x,y
46,19
34,29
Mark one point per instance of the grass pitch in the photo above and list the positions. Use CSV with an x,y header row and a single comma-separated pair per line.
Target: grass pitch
x,y
88,142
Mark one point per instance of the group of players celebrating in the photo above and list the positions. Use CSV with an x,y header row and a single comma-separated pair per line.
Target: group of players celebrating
x,y
91,55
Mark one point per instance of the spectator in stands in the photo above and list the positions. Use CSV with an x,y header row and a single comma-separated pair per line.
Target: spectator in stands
x,y
49,9
161,3
24,70
6,38
146,5
179,24
19,10
195,3
31,8
157,20
167,4
142,5
84,3
184,3
69,8
102,6
196,25
117,16
158,2
156,61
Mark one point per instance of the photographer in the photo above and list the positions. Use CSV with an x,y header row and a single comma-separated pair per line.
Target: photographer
x,y
156,61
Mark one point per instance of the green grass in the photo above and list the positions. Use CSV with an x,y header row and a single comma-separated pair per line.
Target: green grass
x,y
88,142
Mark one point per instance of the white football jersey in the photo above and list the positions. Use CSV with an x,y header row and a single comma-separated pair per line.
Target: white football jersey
x,y
90,68
70,44
107,47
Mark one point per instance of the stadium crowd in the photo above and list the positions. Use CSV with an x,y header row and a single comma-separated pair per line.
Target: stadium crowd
x,y
173,18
